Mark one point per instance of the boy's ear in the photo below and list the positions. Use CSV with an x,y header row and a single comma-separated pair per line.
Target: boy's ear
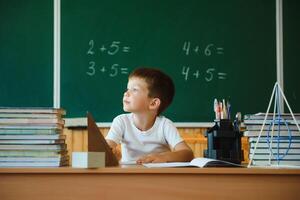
x,y
154,104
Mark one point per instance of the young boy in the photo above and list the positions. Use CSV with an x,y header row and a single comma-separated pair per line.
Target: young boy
x,y
145,135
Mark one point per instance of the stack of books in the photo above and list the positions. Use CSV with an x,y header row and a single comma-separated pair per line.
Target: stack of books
x,y
32,137
280,148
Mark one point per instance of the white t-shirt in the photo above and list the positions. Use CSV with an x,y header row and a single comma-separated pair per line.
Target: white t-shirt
x,y
162,136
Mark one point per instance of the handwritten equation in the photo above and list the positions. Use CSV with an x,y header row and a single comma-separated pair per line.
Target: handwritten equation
x,y
111,49
112,70
207,50
208,74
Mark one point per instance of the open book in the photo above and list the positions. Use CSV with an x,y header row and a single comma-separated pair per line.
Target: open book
x,y
196,162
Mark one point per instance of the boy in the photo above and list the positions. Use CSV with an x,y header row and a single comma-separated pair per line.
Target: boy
x,y
145,136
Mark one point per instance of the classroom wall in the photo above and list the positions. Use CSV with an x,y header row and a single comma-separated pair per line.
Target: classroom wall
x,y
76,140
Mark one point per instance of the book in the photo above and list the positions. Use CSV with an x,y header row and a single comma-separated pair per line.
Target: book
x,y
33,147
30,115
32,110
33,153
31,121
274,156
280,145
30,131
33,137
196,162
266,133
58,158
275,162
261,116
33,141
274,150
291,127
34,164
31,126
268,122
275,139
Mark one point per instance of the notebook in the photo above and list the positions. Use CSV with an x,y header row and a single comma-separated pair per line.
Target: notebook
x,y
196,162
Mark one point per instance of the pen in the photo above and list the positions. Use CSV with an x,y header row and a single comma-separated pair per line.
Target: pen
x,y
224,110
216,109
237,121
221,110
228,110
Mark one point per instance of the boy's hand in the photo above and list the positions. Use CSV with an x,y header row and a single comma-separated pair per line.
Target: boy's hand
x,y
182,153
152,158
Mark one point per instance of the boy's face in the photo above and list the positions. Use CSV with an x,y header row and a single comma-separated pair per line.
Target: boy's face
x,y
136,98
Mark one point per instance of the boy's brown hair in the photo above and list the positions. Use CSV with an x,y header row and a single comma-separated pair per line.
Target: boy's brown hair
x,y
160,85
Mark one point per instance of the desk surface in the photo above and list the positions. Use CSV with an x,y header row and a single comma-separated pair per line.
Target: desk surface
x,y
138,182
137,169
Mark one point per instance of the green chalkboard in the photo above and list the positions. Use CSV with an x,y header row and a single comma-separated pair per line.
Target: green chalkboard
x,y
211,48
26,53
291,41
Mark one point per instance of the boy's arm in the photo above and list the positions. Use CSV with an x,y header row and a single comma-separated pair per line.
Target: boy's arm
x,y
114,148
111,143
181,153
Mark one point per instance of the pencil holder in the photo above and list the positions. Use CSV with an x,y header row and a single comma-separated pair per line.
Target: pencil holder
x,y
224,142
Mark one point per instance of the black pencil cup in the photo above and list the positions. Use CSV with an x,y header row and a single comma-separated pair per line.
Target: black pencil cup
x,y
224,142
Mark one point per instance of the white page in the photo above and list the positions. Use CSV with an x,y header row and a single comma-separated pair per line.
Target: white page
x,y
132,162
169,164
201,162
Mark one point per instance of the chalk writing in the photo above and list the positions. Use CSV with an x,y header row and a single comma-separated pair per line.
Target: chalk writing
x,y
112,71
111,49
206,74
207,50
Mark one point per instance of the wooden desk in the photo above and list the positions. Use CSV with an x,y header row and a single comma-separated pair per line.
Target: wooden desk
x,y
141,183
